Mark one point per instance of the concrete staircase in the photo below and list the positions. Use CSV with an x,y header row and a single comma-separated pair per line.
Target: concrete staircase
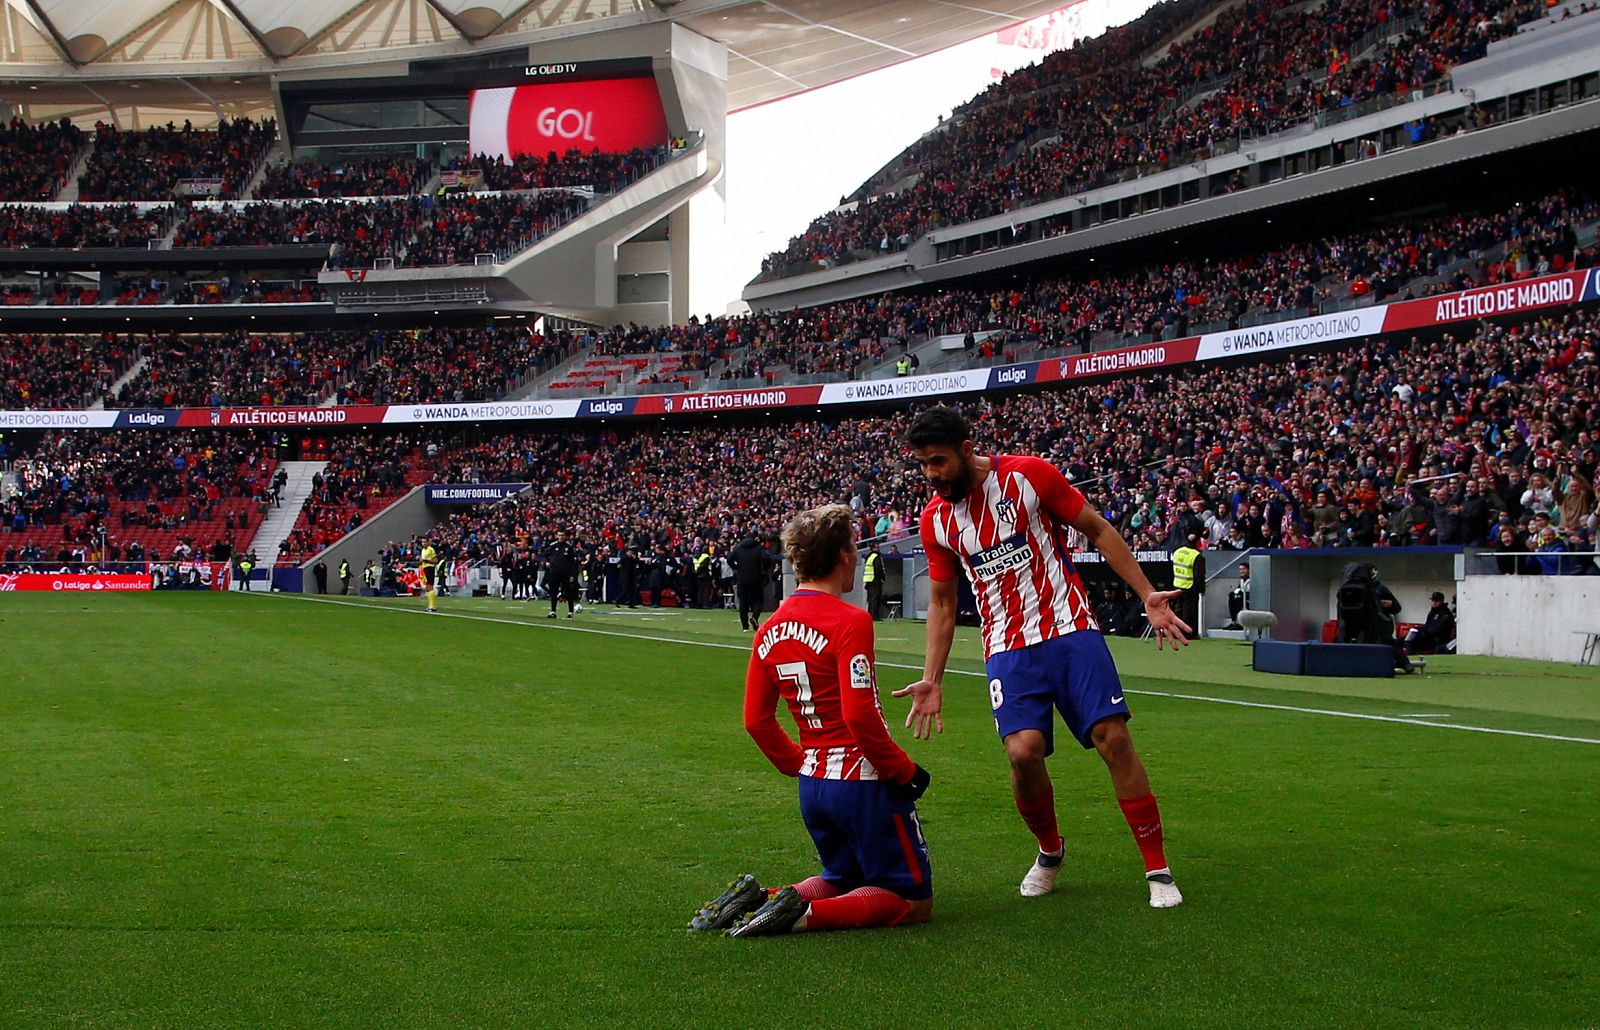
x,y
277,155
279,523
69,192
116,387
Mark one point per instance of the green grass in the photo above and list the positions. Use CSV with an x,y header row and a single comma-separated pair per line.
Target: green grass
x,y
225,810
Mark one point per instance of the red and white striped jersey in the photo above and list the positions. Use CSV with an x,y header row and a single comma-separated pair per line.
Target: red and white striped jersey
x,y
1010,534
816,654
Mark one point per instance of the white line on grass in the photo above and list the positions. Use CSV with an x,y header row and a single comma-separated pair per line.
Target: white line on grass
x,y
1408,720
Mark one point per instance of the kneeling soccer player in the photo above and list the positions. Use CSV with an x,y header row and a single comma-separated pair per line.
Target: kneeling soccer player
x,y
858,789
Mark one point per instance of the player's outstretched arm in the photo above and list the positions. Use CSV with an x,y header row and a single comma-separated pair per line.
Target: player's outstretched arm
x,y
927,695
1164,622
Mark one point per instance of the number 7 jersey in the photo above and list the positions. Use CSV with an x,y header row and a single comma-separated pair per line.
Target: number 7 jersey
x,y
815,653
1010,535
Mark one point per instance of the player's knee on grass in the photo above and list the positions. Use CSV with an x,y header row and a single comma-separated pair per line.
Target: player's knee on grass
x,y
918,912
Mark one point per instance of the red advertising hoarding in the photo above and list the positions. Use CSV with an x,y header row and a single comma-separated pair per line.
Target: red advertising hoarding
x,y
609,115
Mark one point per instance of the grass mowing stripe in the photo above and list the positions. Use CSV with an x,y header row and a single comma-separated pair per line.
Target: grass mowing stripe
x,y
1409,721
1333,713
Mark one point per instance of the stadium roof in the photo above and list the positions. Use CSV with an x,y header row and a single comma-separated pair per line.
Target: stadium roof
x,y
69,56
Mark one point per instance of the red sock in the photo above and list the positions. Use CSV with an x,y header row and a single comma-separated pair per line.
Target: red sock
x,y
1040,816
1145,822
814,889
861,909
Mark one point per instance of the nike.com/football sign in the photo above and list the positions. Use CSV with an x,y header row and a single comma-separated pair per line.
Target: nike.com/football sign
x,y
610,115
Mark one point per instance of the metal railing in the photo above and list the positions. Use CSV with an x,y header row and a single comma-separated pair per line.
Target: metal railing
x,y
1482,561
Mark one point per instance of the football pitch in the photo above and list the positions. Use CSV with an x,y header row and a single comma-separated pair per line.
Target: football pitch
x,y
234,810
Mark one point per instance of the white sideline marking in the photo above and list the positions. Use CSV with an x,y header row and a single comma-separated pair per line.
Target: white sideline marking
x,y
1422,715
1408,720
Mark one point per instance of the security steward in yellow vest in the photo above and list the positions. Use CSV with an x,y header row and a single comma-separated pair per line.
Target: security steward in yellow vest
x,y
705,579
902,367
872,578
1189,576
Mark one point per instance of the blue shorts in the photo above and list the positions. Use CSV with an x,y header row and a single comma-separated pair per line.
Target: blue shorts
x,y
866,836
1073,674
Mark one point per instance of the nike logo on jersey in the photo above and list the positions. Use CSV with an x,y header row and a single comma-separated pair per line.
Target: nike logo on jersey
x,y
1117,700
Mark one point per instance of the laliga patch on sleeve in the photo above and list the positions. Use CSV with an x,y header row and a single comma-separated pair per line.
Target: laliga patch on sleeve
x,y
861,672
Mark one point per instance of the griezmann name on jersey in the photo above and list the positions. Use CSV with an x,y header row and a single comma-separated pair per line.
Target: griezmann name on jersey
x,y
1010,535
815,653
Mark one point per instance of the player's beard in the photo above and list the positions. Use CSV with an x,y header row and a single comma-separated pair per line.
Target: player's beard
x,y
958,486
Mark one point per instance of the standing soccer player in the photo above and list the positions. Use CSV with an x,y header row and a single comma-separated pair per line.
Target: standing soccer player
x,y
1004,519
428,571
858,789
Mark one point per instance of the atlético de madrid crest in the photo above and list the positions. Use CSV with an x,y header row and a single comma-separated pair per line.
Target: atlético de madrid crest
x,y
1006,509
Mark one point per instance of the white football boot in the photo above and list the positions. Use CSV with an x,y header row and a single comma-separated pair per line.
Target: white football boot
x,y
1041,878
1163,892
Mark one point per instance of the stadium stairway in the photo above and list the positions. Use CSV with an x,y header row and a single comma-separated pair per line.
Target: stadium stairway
x,y
1188,32
69,191
279,523
275,155
538,386
126,378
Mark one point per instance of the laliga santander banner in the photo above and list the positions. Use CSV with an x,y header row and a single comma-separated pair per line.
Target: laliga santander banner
x,y
1337,327
86,582
609,115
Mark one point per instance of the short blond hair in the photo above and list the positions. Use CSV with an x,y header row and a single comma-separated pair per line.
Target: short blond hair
x,y
813,539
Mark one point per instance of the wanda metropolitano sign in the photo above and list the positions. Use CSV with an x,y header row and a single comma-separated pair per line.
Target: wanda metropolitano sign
x,y
1470,305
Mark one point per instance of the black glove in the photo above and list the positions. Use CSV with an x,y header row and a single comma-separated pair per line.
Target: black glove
x,y
914,788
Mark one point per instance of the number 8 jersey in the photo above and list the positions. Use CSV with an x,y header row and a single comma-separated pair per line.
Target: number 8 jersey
x,y
815,652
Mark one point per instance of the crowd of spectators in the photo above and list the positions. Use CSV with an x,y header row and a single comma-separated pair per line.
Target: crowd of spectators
x,y
365,474
1163,299
121,225
452,364
200,492
456,229
605,173
1166,299
39,158
43,370
243,368
358,232
413,231
361,177
1483,440
149,164
1096,113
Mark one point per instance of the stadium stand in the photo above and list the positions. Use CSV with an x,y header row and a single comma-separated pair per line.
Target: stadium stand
x,y
364,476
606,173
1162,301
80,226
1390,444
254,368
187,493
1097,114
151,164
369,177
41,369
39,158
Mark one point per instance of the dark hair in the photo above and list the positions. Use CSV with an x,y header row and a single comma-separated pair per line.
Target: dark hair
x,y
938,427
